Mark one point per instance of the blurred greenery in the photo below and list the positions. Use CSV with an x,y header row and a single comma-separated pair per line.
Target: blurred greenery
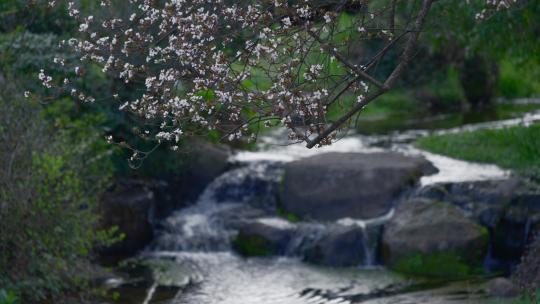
x,y
518,79
56,163
510,33
8,297
49,193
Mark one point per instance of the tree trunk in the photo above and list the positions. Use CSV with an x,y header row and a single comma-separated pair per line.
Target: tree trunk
x,y
479,76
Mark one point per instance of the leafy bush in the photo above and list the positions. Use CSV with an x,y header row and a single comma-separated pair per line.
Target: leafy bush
x,y
48,195
36,15
8,297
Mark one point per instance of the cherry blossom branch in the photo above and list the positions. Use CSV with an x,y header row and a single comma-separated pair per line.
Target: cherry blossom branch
x,y
205,65
404,60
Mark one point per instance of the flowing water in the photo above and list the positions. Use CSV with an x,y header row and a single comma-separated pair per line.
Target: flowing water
x,y
198,238
201,235
229,279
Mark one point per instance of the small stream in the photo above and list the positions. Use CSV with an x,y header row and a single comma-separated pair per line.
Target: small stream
x,y
199,237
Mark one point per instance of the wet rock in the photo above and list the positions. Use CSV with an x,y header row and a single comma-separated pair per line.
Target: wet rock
x,y
516,228
329,245
509,208
332,186
255,184
167,272
510,237
202,163
340,246
527,274
134,205
207,161
168,197
128,207
503,288
264,237
431,238
484,200
154,279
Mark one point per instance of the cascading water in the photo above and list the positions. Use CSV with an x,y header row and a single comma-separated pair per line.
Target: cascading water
x,y
370,229
248,193
239,194
200,236
202,233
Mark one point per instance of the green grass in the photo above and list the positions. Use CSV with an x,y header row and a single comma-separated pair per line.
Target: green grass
x,y
516,148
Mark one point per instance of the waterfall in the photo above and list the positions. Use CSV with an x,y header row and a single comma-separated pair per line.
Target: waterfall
x,y
209,224
371,229
248,193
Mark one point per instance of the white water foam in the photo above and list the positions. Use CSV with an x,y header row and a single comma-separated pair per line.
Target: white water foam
x,y
450,170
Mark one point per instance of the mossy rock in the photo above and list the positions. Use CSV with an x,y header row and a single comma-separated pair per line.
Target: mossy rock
x,y
431,238
289,216
252,245
263,237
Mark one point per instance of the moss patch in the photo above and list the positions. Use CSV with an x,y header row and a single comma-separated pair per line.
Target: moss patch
x,y
291,217
441,264
252,245
280,210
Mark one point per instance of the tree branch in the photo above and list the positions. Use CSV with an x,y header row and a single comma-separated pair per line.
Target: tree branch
x,y
390,81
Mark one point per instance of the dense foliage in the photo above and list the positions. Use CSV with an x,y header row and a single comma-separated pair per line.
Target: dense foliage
x,y
48,197
55,164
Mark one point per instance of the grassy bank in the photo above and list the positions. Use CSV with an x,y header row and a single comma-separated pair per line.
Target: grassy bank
x,y
516,148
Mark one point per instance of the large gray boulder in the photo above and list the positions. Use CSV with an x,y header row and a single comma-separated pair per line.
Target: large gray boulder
x,y
331,186
433,238
517,227
208,161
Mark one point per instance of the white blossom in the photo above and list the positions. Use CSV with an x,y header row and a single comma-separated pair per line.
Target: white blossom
x,y
177,54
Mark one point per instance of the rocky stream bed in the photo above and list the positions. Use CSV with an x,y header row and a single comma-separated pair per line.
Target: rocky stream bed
x,y
369,219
